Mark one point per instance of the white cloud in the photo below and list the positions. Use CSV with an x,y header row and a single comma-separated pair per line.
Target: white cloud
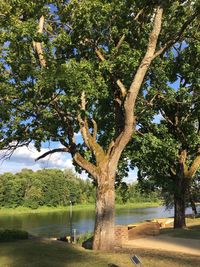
x,y
24,157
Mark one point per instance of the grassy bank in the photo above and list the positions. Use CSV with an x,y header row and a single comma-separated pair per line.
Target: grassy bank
x,y
33,253
23,210
192,231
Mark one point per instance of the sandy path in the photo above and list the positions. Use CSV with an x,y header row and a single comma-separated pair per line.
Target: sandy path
x,y
166,243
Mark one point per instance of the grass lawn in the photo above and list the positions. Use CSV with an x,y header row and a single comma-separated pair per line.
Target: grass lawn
x,y
192,231
34,253
23,210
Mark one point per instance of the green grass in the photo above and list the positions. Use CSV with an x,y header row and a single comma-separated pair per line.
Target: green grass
x,y
34,253
43,209
22,210
138,205
192,231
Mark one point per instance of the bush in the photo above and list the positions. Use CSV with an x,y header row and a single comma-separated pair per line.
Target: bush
x,y
11,235
83,237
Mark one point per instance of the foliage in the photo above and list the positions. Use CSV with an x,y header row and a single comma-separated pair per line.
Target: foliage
x,y
52,188
83,237
42,104
12,235
44,188
168,146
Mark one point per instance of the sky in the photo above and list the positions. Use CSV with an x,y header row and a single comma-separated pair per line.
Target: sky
x,y
24,157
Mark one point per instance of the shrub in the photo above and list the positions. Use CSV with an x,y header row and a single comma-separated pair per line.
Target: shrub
x,y
11,235
83,237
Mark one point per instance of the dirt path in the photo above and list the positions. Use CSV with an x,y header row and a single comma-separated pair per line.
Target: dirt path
x,y
166,243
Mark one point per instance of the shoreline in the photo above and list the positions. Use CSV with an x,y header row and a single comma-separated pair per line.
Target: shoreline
x,y
44,209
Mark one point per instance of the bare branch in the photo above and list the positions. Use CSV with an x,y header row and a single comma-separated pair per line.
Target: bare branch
x,y
120,42
99,54
166,117
82,122
122,88
148,103
38,46
172,41
83,101
64,149
139,13
94,129
139,133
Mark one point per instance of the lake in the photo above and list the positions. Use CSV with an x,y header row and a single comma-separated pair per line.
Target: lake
x,y
56,224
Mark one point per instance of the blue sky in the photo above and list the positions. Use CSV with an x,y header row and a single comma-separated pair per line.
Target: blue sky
x,y
24,157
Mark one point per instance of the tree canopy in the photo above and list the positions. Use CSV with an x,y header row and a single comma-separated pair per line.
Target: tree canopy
x,y
168,154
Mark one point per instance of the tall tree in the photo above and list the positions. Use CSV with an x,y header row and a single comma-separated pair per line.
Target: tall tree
x,y
169,150
71,66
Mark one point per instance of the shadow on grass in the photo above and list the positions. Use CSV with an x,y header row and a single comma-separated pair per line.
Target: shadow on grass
x,y
44,253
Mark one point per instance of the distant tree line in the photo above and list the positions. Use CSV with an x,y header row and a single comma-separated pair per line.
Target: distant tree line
x,y
52,187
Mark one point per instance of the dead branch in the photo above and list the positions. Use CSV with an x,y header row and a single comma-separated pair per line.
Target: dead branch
x,y
38,46
139,13
120,41
64,149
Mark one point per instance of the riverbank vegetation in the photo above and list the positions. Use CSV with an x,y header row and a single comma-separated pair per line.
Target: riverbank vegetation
x,y
77,207
51,189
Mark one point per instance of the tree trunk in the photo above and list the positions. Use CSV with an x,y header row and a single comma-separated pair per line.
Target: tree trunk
x,y
104,232
179,212
180,201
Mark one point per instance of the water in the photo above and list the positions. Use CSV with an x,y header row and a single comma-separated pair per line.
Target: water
x,y
56,224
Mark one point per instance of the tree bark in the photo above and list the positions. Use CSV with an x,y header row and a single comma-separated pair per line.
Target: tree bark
x,y
179,212
104,232
180,201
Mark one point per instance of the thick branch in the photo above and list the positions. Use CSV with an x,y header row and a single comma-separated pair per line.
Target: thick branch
x,y
129,104
64,149
89,140
173,40
194,167
38,46
86,165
